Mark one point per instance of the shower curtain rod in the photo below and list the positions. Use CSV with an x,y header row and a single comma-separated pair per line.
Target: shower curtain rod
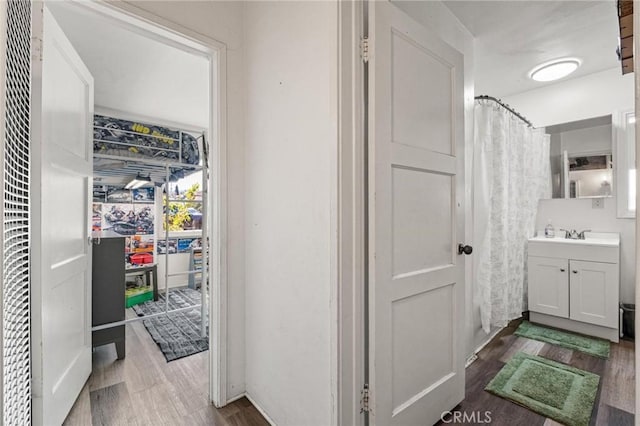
x,y
505,106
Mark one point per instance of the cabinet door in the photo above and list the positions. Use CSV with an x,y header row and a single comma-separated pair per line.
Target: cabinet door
x,y
549,286
594,292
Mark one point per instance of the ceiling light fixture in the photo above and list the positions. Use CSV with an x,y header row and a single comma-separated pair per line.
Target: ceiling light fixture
x,y
138,182
555,70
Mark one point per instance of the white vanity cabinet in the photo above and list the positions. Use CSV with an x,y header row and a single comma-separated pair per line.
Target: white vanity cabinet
x,y
549,285
574,284
593,292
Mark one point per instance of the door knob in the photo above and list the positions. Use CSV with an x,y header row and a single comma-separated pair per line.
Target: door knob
x,y
574,271
464,249
562,270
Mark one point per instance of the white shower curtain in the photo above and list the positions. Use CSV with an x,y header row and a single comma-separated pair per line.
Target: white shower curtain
x,y
511,173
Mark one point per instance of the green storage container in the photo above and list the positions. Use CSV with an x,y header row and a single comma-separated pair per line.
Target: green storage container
x,y
136,295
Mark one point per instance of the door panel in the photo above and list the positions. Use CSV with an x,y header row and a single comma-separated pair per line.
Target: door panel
x,y
62,109
421,114
429,307
416,217
549,285
594,292
422,246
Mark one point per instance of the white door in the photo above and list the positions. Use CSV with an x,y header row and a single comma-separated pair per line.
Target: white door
x,y
594,292
549,286
62,119
416,181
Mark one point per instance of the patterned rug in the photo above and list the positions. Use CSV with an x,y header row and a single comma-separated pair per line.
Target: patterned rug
x,y
176,334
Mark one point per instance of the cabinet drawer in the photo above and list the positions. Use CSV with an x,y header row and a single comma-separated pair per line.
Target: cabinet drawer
x,y
574,251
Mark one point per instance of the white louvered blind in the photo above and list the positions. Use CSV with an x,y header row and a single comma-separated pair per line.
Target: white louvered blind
x,y
16,387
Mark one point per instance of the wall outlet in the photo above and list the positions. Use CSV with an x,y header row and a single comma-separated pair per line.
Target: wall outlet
x,y
597,203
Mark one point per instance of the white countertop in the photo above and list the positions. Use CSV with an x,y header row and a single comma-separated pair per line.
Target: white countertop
x,y
611,239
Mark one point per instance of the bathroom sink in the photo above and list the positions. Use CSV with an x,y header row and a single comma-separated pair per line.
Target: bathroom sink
x,y
611,239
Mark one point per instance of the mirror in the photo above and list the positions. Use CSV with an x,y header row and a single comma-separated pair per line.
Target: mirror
x,y
581,156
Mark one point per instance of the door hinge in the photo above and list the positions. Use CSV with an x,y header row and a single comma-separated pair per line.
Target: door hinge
x,y
364,49
364,400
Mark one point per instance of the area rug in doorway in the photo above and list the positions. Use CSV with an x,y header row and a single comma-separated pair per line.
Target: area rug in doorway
x,y
177,334
588,345
557,391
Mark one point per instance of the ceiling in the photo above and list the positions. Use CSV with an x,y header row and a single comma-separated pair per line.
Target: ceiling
x,y
137,74
134,73
512,37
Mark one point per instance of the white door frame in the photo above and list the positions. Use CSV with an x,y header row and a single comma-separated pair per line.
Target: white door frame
x,y
636,63
170,33
352,215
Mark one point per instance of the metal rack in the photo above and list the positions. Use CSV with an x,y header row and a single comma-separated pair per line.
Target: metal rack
x,y
166,200
146,147
163,170
106,165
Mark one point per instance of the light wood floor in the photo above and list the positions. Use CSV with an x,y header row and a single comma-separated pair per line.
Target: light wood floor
x,y
143,389
615,400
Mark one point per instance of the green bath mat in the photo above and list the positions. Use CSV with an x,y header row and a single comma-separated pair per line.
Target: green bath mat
x,y
588,345
554,390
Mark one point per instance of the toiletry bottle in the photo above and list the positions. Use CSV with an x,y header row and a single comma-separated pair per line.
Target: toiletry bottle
x,y
549,232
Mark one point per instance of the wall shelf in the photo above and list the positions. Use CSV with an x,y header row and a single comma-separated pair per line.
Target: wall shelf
x,y
625,20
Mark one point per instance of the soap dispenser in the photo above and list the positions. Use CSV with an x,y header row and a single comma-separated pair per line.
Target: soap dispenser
x,y
549,231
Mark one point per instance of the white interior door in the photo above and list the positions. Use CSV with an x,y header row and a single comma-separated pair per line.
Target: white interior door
x,y
62,169
416,182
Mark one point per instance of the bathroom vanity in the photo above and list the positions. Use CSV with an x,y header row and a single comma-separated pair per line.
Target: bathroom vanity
x,y
574,284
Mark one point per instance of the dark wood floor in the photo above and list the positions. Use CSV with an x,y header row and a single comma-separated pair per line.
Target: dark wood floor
x,y
143,389
615,399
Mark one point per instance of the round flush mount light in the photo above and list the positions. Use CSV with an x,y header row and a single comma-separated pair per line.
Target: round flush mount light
x,y
555,70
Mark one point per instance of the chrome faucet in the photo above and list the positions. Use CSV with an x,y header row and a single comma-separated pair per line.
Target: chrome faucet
x,y
574,235
581,233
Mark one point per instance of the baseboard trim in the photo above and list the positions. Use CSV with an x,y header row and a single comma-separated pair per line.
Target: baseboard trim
x,y
607,333
474,355
235,398
260,409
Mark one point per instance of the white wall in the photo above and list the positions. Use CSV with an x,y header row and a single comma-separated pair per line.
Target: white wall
x,y
590,96
222,20
291,133
579,214
596,139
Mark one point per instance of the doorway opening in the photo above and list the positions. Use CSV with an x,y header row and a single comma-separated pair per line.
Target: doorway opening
x,y
154,212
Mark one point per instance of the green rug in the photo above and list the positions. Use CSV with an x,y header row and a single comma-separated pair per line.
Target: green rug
x,y
588,345
554,390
